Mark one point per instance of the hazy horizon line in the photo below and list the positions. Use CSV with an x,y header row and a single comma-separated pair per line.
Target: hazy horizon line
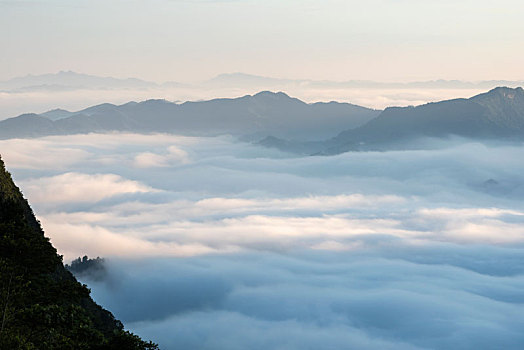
x,y
259,76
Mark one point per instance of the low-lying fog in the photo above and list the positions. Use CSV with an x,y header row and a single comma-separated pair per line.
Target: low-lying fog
x,y
217,244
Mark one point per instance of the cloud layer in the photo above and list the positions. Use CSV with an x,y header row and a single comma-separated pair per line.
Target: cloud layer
x,y
367,300
171,195
241,246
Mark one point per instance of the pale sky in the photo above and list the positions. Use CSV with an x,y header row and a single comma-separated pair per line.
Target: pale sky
x,y
191,40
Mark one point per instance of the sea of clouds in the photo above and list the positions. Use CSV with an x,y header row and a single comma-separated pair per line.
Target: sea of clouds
x,y
213,243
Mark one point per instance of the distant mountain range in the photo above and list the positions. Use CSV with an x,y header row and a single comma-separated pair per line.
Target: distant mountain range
x,y
254,117
74,91
279,121
495,115
69,80
249,80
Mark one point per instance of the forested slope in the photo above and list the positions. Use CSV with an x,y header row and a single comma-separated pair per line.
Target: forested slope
x,y
42,305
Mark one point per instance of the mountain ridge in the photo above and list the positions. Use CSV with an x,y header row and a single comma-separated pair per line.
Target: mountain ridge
x,y
70,80
43,305
498,113
289,124
259,115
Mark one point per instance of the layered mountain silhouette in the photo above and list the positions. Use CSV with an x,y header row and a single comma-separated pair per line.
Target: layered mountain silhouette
x,y
68,80
497,114
256,81
260,115
292,125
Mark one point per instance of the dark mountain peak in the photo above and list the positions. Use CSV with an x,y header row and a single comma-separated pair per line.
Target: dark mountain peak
x,y
501,93
496,114
277,99
103,107
56,114
398,108
155,101
57,110
504,106
270,94
497,96
506,91
335,103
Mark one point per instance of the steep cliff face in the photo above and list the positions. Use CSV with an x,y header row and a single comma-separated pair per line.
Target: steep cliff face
x,y
42,305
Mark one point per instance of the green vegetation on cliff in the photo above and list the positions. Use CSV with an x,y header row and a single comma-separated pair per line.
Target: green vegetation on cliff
x,y
42,305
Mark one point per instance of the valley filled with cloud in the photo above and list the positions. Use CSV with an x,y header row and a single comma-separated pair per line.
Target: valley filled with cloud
x,y
212,243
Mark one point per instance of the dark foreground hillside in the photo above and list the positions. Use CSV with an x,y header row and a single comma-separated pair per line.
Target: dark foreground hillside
x,y
42,305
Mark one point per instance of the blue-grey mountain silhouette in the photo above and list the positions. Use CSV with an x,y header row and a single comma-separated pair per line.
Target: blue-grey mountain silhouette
x,y
257,116
497,114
